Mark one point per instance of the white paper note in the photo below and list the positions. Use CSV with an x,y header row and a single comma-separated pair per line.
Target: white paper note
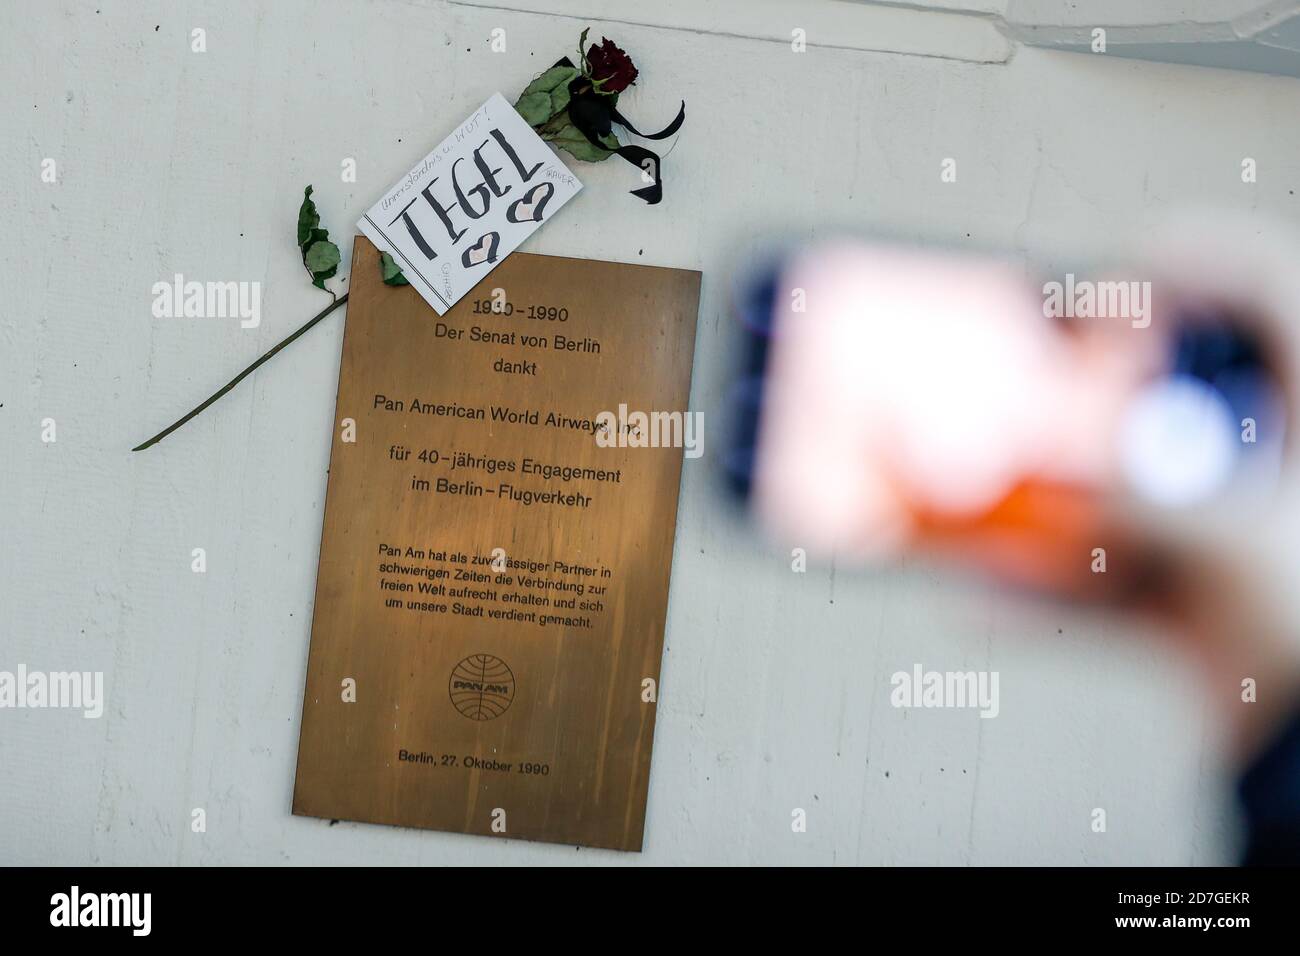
x,y
467,205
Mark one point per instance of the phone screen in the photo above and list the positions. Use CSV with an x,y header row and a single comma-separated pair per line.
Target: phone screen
x,y
894,398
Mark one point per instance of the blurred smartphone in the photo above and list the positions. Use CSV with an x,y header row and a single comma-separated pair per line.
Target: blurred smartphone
x,y
895,398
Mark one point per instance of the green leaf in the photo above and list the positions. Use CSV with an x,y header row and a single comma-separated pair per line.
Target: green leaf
x,y
582,52
308,219
322,256
557,77
560,99
389,271
551,127
535,108
570,139
546,96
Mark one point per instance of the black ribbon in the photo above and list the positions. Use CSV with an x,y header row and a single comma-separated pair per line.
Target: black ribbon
x,y
594,115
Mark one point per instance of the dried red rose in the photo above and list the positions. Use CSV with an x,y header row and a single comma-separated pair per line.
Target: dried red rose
x,y
607,62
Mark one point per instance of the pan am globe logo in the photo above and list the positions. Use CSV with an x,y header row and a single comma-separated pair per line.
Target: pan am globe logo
x,y
481,687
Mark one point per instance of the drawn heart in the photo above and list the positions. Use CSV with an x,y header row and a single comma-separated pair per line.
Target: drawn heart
x,y
485,250
529,208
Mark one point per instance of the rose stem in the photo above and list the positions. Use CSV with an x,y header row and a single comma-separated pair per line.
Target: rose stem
x,y
244,374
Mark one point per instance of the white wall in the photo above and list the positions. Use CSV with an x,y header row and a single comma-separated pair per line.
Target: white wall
x,y
775,687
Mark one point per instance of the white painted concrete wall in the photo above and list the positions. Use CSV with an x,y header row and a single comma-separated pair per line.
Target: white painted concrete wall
x,y
775,688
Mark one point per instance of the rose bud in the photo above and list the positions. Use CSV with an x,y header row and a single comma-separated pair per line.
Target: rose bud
x,y
609,63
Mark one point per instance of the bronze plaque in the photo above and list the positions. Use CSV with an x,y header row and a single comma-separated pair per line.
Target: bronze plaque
x,y
494,563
